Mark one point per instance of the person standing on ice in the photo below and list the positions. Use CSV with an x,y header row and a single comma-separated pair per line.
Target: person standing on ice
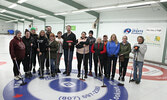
x,y
98,49
139,50
42,50
69,40
91,42
52,54
60,50
125,49
17,53
105,40
29,45
48,32
34,53
113,47
82,53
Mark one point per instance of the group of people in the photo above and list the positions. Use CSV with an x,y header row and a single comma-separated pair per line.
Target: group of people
x,y
49,49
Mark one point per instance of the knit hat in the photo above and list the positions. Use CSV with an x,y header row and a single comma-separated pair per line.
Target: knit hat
x,y
17,32
33,28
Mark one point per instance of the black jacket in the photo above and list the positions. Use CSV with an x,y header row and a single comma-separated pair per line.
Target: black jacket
x,y
27,43
92,40
66,38
35,37
80,45
42,44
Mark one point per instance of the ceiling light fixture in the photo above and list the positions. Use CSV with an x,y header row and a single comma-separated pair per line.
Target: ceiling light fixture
x,y
126,5
2,11
12,6
21,1
163,0
80,11
31,18
43,16
63,13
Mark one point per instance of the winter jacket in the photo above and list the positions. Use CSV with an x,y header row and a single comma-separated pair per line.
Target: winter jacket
x,y
35,37
125,49
60,45
66,38
17,49
27,42
92,40
139,55
98,48
42,44
112,49
53,49
80,48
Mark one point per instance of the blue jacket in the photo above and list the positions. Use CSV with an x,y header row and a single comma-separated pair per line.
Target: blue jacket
x,y
112,48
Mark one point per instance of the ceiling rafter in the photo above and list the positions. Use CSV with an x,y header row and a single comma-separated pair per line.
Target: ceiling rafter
x,y
15,16
163,5
79,6
8,18
37,9
22,13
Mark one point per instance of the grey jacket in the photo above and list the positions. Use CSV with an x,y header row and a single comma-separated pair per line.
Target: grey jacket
x,y
139,55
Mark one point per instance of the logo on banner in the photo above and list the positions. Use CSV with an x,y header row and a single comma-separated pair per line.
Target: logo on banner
x,y
133,31
127,31
65,88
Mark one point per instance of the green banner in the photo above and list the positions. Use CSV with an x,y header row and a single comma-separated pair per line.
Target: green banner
x,y
73,28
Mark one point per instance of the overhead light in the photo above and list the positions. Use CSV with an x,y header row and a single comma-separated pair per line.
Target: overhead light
x,y
22,19
21,1
63,13
103,8
163,0
12,6
43,16
138,4
80,11
31,18
11,21
126,5
2,11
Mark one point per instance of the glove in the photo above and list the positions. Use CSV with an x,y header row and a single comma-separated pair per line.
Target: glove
x,y
136,48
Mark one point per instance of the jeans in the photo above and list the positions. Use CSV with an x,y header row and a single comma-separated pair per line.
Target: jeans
x,y
79,59
137,66
110,60
68,64
90,59
52,67
123,67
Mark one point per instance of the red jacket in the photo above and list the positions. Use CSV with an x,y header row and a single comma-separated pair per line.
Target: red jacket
x,y
101,52
17,49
